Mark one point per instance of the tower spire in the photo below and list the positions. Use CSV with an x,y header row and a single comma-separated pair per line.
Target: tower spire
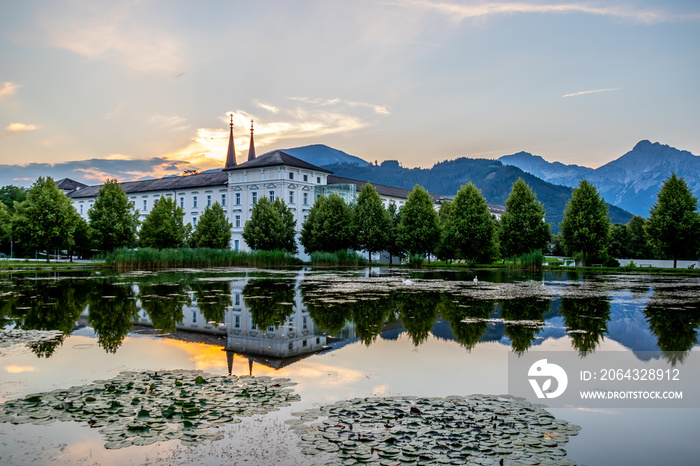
x,y
231,154
251,149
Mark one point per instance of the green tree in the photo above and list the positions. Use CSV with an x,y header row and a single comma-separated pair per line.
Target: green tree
x,y
419,229
392,246
113,220
46,219
444,250
371,221
523,228
271,227
674,223
164,226
470,229
586,226
213,229
619,241
638,244
10,194
329,226
5,225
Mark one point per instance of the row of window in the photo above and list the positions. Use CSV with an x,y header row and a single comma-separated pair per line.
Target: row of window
x,y
305,178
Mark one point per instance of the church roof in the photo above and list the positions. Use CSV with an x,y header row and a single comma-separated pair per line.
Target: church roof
x,y
171,183
67,184
274,159
231,153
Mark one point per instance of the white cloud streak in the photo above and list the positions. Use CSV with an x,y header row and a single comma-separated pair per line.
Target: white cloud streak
x,y
595,91
459,12
378,109
8,88
19,127
173,122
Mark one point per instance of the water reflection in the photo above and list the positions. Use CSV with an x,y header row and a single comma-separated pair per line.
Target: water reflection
x,y
275,320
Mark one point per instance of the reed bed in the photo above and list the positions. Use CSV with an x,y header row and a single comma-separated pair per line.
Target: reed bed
x,y
338,258
151,259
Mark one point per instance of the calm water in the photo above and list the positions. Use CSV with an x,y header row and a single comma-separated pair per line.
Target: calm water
x,y
340,335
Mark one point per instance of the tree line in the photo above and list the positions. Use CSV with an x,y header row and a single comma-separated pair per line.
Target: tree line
x,y
43,218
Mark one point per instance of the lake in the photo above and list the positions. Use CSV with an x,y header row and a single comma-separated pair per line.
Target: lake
x,y
320,342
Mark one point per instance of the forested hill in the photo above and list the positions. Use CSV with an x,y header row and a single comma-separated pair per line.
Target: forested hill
x,y
492,177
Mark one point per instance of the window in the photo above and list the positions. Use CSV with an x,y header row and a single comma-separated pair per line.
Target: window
x,y
237,322
194,317
235,244
237,221
223,199
305,217
306,198
145,204
237,297
291,197
194,202
238,198
81,209
208,200
305,325
271,196
291,176
182,202
90,206
194,221
306,177
254,196
318,180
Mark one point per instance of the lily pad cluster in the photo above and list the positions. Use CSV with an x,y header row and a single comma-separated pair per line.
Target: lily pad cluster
x,y
478,429
141,408
9,337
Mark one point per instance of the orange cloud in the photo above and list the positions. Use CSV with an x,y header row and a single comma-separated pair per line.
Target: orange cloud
x,y
8,88
19,127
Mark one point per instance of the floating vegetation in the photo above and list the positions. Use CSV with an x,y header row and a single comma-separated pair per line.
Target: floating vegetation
x,y
9,337
478,429
141,408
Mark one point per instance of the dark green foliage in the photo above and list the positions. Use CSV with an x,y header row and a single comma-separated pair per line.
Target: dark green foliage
x,y
113,220
82,238
522,228
10,194
457,310
371,221
213,298
417,312
270,302
490,176
271,227
369,316
619,241
419,230
638,246
557,246
586,320
5,225
164,226
444,250
392,246
673,228
528,261
328,317
586,227
46,219
213,229
329,226
470,230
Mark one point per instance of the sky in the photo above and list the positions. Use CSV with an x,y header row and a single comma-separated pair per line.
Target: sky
x,y
134,89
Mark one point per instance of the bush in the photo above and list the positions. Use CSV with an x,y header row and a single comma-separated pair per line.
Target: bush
x,y
415,261
531,260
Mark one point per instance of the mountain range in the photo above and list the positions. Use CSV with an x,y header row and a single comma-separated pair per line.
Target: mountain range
x,y
630,182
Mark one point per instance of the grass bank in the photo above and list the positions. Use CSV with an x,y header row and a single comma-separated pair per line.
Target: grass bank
x,y
151,259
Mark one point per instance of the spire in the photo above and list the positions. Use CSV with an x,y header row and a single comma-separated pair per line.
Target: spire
x,y
251,149
231,154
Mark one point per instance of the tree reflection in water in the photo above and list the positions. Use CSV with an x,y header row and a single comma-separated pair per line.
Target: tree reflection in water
x,y
369,315
213,298
586,320
270,302
457,309
524,319
112,311
164,302
417,312
675,327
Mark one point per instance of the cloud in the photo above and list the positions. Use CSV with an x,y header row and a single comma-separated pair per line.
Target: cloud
x,y
592,92
460,12
19,127
173,122
8,88
379,109
269,108
113,35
